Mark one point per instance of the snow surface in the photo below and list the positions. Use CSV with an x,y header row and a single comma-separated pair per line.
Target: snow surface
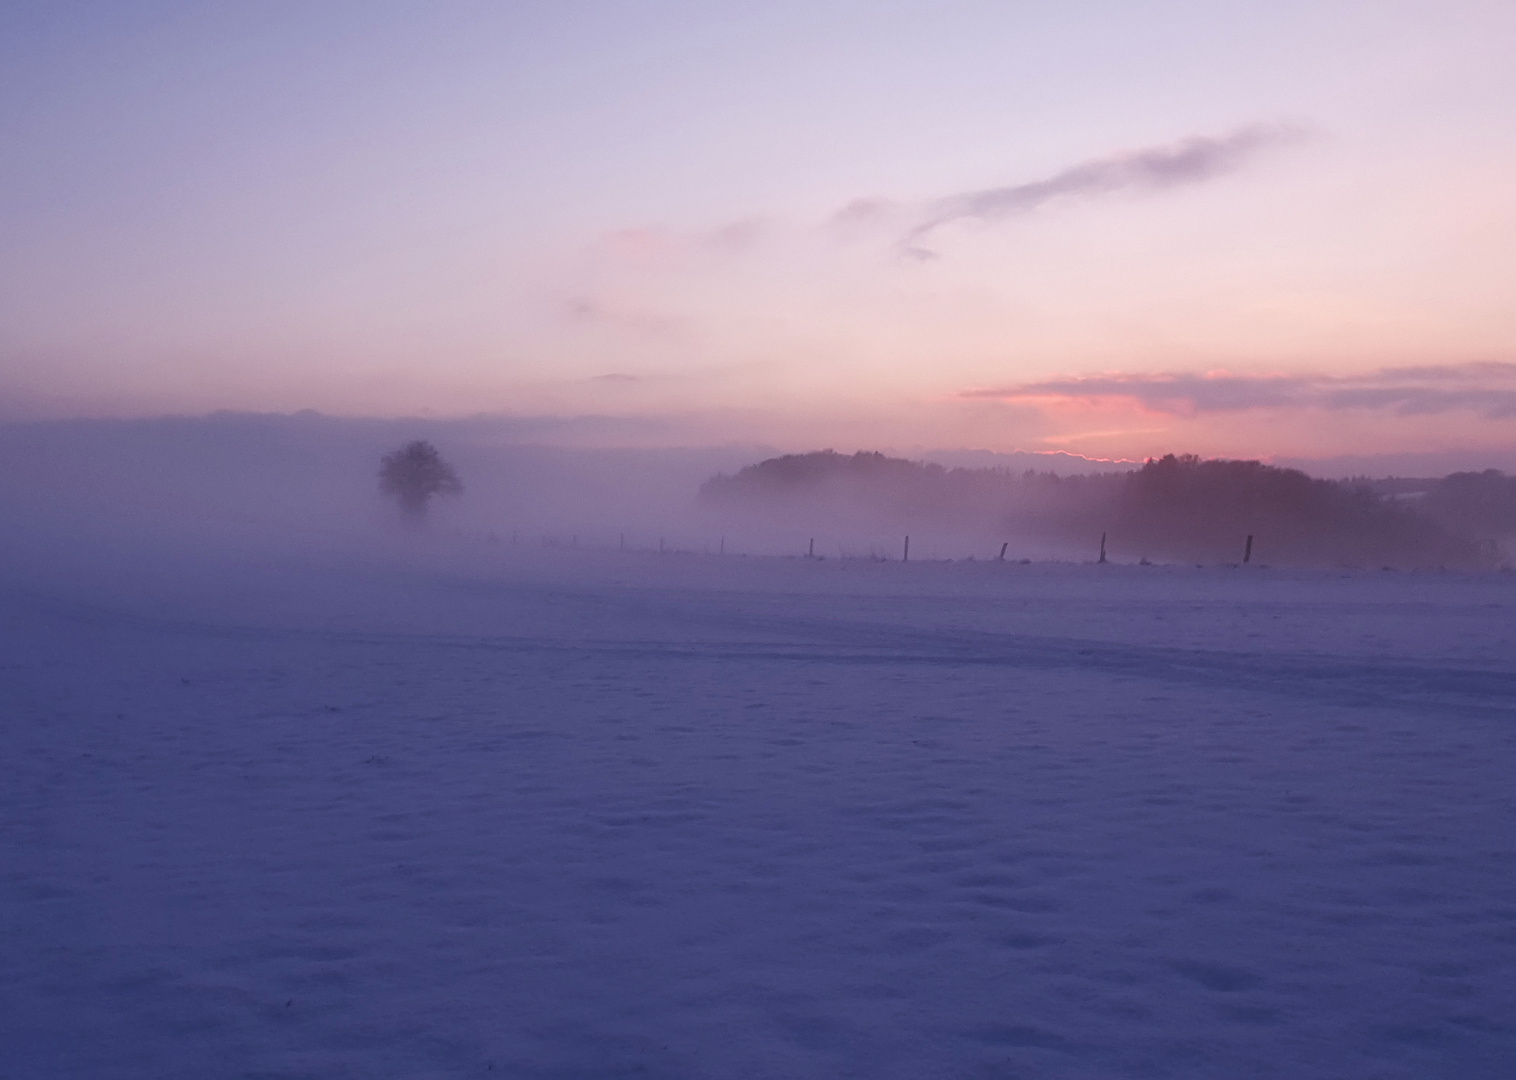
x,y
585,814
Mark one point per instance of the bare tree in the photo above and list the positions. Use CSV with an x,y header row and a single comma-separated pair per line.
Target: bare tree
x,y
413,474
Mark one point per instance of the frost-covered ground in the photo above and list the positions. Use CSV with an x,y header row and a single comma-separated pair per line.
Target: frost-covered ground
x,y
583,814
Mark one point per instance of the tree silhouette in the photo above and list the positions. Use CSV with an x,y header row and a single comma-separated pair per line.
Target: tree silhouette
x,y
413,474
1174,507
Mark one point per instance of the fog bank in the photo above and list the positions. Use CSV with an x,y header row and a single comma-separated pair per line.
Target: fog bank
x,y
114,501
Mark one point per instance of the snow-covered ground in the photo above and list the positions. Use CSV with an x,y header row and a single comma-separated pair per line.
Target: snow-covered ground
x,y
586,814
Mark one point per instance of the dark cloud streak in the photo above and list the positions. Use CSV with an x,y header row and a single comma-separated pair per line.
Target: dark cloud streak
x,y
1189,161
1485,388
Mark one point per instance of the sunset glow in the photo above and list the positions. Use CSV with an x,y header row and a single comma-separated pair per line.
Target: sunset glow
x,y
1111,229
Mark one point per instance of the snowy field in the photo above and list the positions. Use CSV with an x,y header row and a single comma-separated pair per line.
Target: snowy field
x,y
588,814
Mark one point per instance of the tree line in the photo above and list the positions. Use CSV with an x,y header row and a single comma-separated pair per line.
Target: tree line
x,y
1175,507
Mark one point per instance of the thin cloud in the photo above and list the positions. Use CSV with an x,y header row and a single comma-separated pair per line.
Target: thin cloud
x,y
866,217
1155,168
1485,388
1176,393
1189,161
659,246
734,237
587,311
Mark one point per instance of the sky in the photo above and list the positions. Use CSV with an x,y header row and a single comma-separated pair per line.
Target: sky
x,y
1113,229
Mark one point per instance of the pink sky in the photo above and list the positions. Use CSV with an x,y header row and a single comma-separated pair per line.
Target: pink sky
x,y
1209,227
